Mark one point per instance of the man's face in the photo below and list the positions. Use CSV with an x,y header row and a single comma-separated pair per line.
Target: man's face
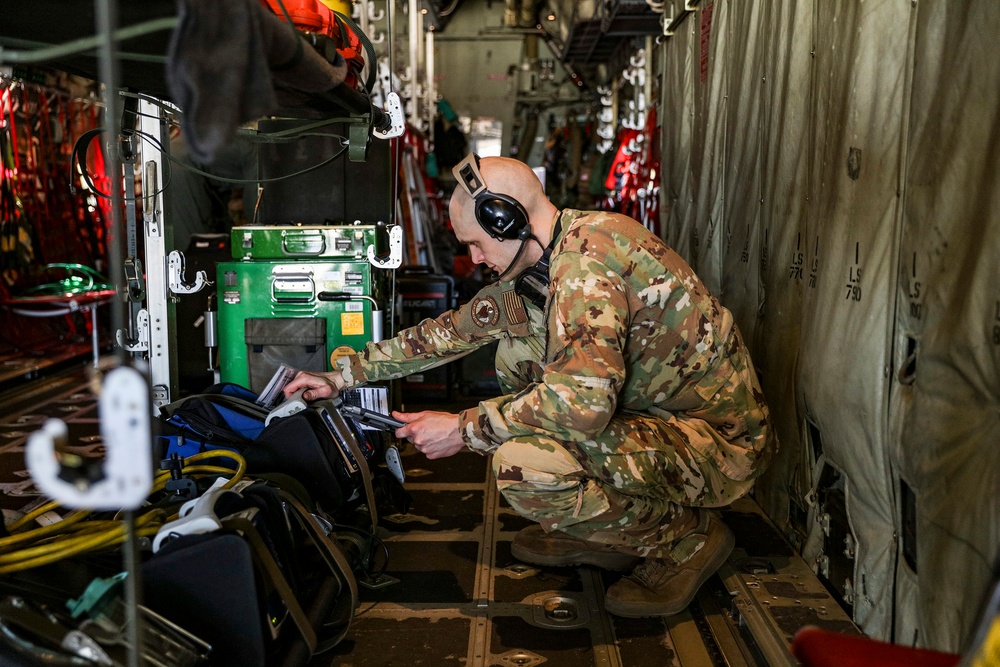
x,y
484,249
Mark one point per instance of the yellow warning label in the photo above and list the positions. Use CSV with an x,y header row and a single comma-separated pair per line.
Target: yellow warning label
x,y
340,352
352,324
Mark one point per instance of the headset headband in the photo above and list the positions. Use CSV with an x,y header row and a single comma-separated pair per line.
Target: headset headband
x,y
467,174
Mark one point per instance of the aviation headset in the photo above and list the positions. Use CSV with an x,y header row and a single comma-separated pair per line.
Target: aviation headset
x,y
505,219
500,215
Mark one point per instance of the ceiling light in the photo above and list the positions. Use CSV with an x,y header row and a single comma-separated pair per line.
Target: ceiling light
x,y
551,17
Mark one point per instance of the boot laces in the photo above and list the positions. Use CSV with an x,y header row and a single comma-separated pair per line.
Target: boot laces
x,y
652,572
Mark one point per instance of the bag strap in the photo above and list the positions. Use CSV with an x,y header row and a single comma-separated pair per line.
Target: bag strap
x,y
363,469
332,554
239,404
336,562
263,557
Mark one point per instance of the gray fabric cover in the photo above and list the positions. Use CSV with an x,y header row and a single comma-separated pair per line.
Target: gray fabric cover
x,y
831,170
946,421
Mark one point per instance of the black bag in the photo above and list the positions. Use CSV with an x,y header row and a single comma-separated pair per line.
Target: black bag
x,y
270,588
330,455
306,446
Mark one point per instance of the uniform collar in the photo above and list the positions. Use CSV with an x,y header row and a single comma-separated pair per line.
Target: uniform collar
x,y
563,219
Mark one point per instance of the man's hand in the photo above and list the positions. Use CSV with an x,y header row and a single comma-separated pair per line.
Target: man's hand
x,y
317,385
435,434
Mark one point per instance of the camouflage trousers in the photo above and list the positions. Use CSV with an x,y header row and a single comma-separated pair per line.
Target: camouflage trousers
x,y
635,486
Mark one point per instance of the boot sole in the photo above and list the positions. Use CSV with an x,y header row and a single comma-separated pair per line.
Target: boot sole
x,y
650,609
611,561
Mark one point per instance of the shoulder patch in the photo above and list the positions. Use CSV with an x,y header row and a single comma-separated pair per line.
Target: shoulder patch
x,y
485,312
514,307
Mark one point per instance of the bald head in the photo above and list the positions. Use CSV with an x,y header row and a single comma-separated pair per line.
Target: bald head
x,y
512,178
501,176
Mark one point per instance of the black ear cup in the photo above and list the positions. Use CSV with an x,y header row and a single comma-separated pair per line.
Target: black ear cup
x,y
502,217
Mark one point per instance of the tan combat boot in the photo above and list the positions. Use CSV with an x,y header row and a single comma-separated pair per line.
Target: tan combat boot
x,y
662,587
557,549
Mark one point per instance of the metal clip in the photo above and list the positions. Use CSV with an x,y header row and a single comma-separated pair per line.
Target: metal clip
x,y
123,479
822,567
175,273
141,341
849,546
395,251
848,591
394,109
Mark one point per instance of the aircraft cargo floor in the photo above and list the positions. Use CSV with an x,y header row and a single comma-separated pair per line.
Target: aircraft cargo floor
x,y
455,596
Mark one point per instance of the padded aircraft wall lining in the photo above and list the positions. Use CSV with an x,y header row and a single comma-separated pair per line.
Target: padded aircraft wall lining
x,y
947,403
830,169
678,109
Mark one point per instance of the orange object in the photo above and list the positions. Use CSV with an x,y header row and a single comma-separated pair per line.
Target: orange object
x,y
313,16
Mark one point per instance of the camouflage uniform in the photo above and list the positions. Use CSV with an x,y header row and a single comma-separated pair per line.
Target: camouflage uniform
x,y
629,399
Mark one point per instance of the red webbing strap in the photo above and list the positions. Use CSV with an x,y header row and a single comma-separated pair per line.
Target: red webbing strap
x,y
814,647
27,179
13,131
30,161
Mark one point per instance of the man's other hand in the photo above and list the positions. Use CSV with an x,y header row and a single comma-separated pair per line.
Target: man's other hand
x,y
317,385
435,434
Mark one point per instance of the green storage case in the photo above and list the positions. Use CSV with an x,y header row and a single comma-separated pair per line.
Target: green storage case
x,y
350,242
293,312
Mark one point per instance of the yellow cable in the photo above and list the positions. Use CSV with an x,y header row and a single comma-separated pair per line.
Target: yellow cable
x,y
84,537
93,534
55,557
54,551
224,453
32,515
86,542
61,530
214,470
28,536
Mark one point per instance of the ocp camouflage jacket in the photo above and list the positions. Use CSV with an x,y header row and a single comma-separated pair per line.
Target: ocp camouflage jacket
x,y
629,328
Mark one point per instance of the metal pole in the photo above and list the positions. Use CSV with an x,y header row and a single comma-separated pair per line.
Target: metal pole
x,y
414,43
94,338
158,237
107,22
431,91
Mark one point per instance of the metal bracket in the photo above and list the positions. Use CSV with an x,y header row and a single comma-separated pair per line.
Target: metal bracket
x,y
125,475
372,16
822,566
381,581
848,591
824,523
394,108
175,275
150,184
141,341
850,547
136,288
395,251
